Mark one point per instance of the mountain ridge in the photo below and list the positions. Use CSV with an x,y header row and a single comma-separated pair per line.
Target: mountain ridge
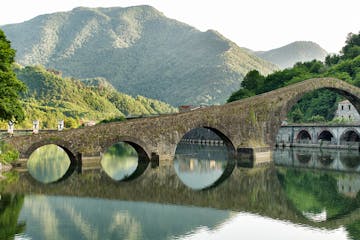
x,y
139,50
298,51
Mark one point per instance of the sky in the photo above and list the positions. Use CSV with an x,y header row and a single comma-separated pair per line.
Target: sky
x,y
255,24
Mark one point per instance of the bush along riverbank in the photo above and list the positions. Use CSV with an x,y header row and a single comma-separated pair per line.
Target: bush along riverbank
x,y
7,155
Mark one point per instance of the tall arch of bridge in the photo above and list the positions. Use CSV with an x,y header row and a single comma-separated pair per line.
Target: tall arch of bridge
x,y
249,123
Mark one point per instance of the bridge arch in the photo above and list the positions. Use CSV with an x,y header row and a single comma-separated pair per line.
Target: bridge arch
x,y
140,146
74,156
303,135
287,97
218,130
350,135
326,135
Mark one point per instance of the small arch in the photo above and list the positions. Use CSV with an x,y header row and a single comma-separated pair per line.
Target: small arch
x,y
303,135
140,148
75,162
325,135
350,136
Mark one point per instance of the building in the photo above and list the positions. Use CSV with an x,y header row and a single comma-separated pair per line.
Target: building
x,y
347,112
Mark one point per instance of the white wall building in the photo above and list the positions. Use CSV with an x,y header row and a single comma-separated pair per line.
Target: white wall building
x,y
347,112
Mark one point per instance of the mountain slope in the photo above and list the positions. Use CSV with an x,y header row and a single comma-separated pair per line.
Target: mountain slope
x,y
138,50
287,56
51,97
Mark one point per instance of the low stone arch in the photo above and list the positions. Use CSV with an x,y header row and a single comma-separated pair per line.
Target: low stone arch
x,y
325,135
345,133
140,146
66,146
74,156
303,134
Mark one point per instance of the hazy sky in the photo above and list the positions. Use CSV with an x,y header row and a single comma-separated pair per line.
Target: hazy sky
x,y
255,24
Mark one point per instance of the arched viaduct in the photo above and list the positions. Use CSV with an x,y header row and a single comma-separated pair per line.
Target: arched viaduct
x,y
249,123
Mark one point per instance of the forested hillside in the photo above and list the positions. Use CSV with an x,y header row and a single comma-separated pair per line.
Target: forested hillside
x,y
319,105
50,97
140,52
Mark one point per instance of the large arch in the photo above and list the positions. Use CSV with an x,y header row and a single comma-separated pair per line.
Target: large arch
x,y
290,95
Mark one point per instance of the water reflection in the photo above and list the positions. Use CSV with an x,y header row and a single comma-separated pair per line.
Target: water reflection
x,y
321,196
301,198
201,166
10,207
48,163
82,218
329,159
120,161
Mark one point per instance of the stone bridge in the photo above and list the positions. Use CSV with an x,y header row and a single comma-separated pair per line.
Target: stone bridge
x,y
250,123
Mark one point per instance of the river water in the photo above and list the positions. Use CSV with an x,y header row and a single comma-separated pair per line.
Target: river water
x,y
202,194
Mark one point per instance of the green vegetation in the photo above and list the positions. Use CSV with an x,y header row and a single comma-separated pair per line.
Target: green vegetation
x,y
51,97
10,207
316,191
140,52
10,86
319,105
7,153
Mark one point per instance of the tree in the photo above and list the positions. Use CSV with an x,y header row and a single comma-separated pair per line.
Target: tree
x,y
10,86
352,47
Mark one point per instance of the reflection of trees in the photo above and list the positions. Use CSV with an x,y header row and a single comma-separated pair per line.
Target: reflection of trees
x,y
316,191
10,207
120,161
353,230
48,163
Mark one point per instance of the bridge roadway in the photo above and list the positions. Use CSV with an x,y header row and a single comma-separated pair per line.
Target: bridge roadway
x,y
245,124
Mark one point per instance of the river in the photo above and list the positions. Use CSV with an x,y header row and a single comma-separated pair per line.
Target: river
x,y
202,194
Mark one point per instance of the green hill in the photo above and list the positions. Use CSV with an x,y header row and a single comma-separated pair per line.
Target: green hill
x,y
287,56
51,97
140,52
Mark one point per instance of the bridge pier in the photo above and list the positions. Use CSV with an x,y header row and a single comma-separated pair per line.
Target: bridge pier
x,y
253,156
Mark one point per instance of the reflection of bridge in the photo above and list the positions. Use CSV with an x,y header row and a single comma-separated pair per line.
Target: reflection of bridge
x,y
331,159
255,190
248,123
316,135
